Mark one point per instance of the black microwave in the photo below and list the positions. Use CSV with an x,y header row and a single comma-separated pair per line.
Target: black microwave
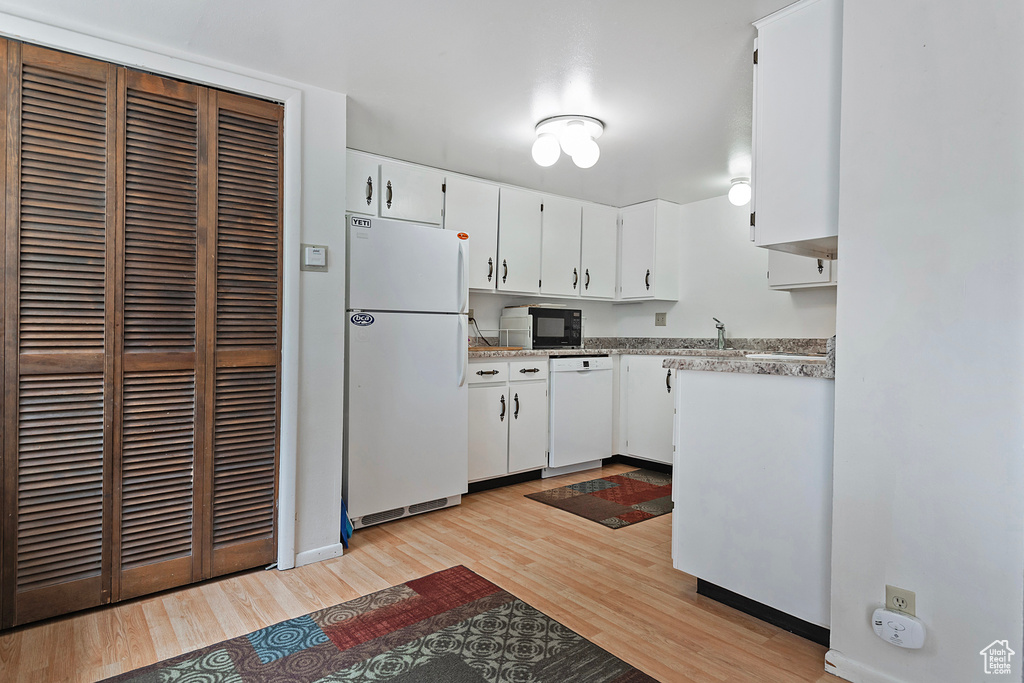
x,y
539,327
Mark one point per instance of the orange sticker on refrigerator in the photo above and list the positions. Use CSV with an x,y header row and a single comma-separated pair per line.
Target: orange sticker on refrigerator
x,y
463,236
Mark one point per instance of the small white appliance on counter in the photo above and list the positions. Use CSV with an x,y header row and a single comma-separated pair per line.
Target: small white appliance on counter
x,y
580,424
406,361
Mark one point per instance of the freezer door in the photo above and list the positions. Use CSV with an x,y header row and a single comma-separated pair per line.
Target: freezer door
x,y
397,266
407,410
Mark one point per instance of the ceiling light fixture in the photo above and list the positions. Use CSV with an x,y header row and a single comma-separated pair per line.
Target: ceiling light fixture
x,y
739,193
575,135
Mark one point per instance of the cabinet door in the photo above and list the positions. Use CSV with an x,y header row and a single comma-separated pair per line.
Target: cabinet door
x,y
560,247
409,193
597,261
791,270
489,413
519,220
636,269
471,206
796,118
650,408
528,428
361,183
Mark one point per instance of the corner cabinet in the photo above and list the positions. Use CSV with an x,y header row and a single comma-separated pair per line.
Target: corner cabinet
x,y
508,417
392,189
650,408
471,206
648,258
519,229
797,78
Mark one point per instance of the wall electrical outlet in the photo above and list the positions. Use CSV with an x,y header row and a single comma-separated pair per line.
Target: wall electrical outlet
x,y
901,600
660,319
471,314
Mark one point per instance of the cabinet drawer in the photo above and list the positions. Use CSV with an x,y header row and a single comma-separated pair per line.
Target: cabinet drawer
x,y
488,372
523,370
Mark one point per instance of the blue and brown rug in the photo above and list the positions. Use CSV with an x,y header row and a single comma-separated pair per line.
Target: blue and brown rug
x,y
615,501
449,627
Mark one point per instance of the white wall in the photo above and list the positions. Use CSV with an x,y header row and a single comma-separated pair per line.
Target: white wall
x,y
929,473
721,274
312,369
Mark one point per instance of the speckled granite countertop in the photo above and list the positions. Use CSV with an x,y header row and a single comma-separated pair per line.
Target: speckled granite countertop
x,y
476,352
755,366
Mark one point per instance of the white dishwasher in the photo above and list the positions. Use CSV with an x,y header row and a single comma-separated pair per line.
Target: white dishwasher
x,y
580,425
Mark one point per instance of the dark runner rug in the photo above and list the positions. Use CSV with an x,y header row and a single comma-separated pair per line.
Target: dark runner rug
x,y
615,501
449,627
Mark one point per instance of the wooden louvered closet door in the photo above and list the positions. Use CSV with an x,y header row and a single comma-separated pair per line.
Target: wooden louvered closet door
x,y
162,326
59,281
244,316
141,355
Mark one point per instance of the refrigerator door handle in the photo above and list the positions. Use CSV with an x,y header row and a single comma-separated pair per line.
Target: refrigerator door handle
x,y
463,281
463,347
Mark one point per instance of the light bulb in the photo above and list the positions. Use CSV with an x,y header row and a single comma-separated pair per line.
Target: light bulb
x,y
587,153
573,135
739,193
545,149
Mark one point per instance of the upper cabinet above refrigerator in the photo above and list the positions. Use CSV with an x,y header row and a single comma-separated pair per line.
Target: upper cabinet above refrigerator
x,y
392,189
797,77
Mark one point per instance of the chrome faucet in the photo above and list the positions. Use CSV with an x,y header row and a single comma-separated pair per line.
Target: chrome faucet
x,y
720,326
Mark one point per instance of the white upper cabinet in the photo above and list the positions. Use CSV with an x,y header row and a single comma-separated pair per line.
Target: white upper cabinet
x,y
361,183
796,128
597,260
648,257
471,206
790,271
411,193
519,228
560,246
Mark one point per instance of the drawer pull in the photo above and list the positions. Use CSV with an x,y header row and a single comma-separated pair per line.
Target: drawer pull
x,y
525,370
486,372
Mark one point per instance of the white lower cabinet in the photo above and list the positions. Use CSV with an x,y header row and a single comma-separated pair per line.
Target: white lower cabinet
x,y
508,417
650,408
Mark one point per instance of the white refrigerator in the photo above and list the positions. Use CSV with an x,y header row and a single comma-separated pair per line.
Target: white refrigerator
x,y
407,337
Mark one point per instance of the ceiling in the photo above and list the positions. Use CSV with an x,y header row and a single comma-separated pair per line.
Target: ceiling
x,y
460,84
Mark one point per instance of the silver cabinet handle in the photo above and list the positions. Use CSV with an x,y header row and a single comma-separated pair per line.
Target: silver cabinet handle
x,y
369,189
390,194
668,381
516,414
490,269
502,416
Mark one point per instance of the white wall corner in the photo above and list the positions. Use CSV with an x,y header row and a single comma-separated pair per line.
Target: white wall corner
x,y
837,664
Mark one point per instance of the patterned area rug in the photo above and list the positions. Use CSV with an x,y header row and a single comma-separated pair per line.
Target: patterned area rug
x,y
449,627
616,501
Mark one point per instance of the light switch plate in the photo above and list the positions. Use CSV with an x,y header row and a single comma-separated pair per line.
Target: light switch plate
x,y
660,319
314,257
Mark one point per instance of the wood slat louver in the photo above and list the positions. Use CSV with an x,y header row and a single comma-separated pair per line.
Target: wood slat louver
x,y
247,302
63,212
161,168
248,230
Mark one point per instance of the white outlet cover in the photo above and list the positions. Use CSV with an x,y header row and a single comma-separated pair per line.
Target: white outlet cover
x,y
896,628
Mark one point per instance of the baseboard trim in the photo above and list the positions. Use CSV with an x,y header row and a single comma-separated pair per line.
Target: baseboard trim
x,y
507,480
319,554
639,462
841,666
795,625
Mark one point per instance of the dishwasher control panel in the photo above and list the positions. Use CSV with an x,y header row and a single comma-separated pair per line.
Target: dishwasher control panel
x,y
572,364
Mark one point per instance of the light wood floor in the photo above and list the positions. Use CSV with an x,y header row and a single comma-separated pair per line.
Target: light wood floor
x,y
614,587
